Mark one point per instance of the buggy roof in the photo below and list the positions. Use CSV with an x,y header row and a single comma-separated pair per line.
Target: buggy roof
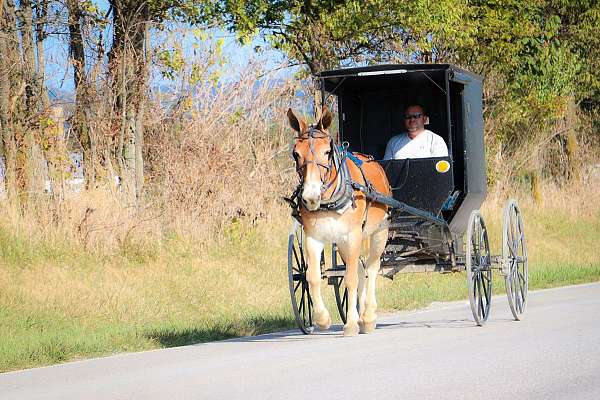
x,y
334,78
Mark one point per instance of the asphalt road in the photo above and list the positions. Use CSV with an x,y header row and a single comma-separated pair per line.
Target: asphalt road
x,y
436,353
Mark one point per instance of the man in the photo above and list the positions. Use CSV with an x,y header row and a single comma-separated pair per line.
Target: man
x,y
416,142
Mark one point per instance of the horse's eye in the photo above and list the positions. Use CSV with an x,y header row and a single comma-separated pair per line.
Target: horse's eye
x,y
327,153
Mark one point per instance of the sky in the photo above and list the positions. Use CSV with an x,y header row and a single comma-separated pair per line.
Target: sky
x,y
59,75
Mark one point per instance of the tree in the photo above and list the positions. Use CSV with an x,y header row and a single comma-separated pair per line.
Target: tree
x,y
128,69
80,119
31,173
324,34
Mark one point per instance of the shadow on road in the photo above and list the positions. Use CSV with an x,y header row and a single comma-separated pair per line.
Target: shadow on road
x,y
336,330
442,323
182,336
280,330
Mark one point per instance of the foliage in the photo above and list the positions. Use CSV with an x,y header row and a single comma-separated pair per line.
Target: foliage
x,y
319,33
537,57
548,43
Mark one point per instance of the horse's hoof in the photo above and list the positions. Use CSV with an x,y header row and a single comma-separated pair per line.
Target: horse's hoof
x,y
367,327
351,329
324,326
323,321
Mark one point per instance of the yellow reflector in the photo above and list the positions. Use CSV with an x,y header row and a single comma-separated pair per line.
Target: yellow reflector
x,y
442,166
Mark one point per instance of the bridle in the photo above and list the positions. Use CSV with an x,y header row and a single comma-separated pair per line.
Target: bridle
x,y
343,193
325,171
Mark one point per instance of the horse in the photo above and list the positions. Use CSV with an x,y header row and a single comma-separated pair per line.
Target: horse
x,y
333,208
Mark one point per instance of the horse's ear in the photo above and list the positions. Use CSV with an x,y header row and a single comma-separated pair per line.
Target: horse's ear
x,y
296,123
326,118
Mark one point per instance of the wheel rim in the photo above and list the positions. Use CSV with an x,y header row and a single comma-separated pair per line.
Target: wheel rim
x,y
514,254
298,285
478,266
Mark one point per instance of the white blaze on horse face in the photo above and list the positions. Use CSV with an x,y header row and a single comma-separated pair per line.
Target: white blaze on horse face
x,y
311,193
316,157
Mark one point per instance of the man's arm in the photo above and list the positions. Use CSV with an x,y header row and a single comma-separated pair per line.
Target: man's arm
x,y
389,149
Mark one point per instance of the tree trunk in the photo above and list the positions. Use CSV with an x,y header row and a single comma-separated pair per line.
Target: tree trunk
x,y
571,144
33,168
9,62
128,66
41,8
80,119
26,25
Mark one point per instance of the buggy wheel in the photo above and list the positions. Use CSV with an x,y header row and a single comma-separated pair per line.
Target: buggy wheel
x,y
299,290
514,259
341,297
478,266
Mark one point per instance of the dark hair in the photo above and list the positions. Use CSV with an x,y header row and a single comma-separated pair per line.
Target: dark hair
x,y
416,105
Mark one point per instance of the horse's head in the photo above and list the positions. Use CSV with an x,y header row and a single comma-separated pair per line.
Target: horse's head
x,y
313,151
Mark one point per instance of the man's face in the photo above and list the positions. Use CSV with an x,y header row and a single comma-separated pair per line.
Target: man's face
x,y
414,119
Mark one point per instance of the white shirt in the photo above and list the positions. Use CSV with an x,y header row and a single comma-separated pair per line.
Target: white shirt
x,y
426,144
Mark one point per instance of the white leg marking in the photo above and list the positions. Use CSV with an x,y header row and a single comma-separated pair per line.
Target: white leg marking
x,y
350,251
369,316
313,276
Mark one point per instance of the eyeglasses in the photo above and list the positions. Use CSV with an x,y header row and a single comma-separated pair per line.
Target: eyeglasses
x,y
413,116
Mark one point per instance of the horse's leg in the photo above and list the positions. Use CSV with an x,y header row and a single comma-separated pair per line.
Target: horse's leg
x,y
313,276
369,315
350,251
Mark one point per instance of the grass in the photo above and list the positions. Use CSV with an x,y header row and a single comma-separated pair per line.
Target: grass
x,y
59,302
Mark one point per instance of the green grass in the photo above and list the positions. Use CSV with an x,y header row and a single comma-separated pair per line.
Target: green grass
x,y
59,303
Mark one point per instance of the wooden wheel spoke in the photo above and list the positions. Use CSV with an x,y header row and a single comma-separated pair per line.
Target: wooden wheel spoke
x,y
522,290
521,278
516,236
475,289
519,300
482,236
297,265
485,287
477,284
310,306
481,305
303,262
482,287
301,305
481,308
512,251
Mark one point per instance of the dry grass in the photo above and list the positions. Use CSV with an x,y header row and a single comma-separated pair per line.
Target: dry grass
x,y
59,301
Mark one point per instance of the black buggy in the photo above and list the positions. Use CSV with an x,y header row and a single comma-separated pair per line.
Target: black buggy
x,y
435,224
